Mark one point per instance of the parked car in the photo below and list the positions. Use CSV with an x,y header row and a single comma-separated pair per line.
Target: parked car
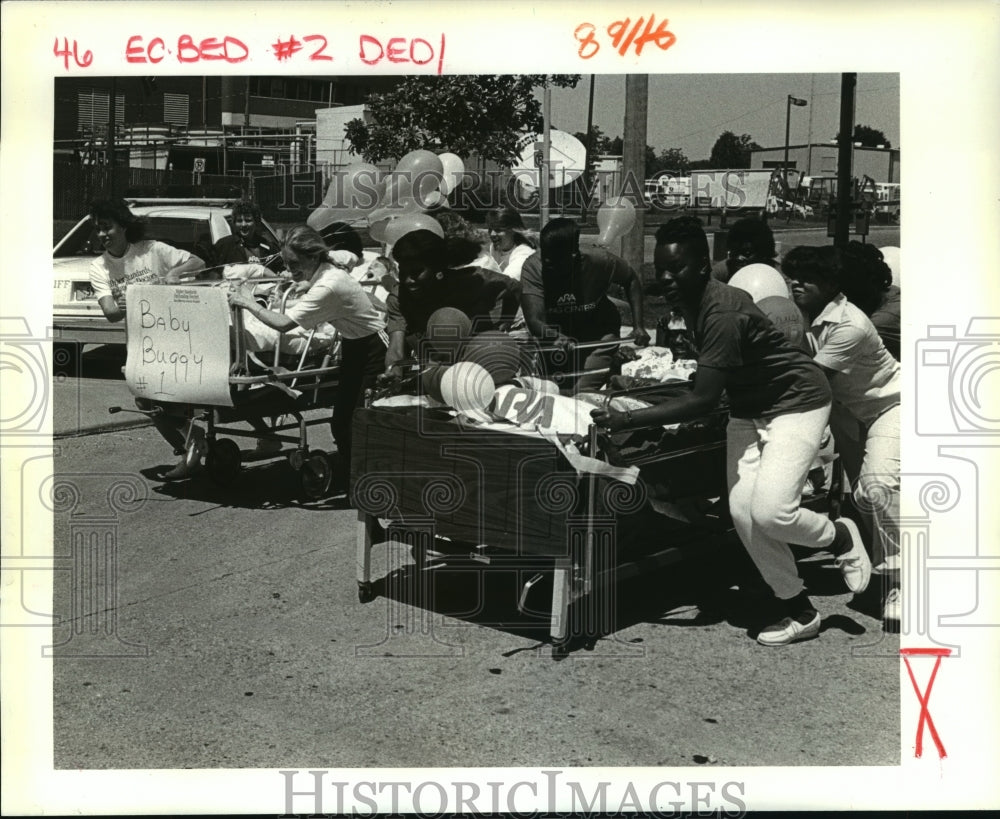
x,y
194,225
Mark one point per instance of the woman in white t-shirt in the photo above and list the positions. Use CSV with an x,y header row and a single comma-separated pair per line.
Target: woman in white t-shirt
x,y
335,297
127,259
511,244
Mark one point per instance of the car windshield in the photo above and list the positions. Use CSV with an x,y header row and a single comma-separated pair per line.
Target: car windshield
x,y
193,235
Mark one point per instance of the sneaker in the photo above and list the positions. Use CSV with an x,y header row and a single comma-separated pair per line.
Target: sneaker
x,y
791,630
853,563
892,609
267,446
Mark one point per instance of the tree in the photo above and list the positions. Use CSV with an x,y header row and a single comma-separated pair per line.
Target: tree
x,y
671,159
731,151
475,114
868,136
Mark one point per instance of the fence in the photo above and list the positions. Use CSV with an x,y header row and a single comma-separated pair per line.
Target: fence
x,y
282,197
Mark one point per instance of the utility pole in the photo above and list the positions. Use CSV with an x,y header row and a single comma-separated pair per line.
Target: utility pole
x,y
588,176
111,136
845,157
634,164
543,171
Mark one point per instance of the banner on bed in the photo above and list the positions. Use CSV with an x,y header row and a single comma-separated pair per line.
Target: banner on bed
x,y
178,344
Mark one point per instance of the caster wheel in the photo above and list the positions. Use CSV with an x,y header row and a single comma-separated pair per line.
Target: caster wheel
x,y
223,461
296,458
316,475
366,592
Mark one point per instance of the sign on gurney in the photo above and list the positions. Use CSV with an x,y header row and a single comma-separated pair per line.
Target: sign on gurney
x,y
178,344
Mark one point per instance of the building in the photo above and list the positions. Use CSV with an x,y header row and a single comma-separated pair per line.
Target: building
x,y
820,160
166,120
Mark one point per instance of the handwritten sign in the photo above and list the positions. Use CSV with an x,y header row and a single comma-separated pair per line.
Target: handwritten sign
x,y
178,344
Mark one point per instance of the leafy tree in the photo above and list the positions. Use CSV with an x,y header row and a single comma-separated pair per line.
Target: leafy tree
x,y
869,137
731,151
671,159
464,115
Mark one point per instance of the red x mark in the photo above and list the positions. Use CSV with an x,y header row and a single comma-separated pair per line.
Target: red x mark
x,y
925,714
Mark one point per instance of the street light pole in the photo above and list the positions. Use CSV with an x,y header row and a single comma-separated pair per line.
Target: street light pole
x,y
788,121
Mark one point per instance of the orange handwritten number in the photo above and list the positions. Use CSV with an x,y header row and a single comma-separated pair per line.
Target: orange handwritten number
x,y
318,53
587,41
623,34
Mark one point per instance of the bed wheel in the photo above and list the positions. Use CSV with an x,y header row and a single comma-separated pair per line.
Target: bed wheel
x,y
316,475
366,592
223,461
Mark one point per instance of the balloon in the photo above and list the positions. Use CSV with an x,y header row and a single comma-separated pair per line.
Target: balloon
x,y
447,329
785,316
324,216
409,222
453,169
760,281
418,162
353,187
435,199
615,218
397,194
378,227
430,381
891,255
467,386
495,352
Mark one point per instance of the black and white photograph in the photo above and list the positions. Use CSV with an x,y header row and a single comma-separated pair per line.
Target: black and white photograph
x,y
401,431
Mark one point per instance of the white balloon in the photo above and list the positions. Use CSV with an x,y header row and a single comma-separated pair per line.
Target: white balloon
x,y
454,168
890,256
467,386
760,281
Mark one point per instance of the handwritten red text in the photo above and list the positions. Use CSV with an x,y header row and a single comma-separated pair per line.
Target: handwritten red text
x,y
625,34
400,50
187,50
67,51
285,49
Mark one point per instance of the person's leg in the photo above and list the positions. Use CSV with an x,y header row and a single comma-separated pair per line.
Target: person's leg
x,y
185,438
360,362
877,493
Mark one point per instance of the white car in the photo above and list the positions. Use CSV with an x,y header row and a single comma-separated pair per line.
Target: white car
x,y
194,225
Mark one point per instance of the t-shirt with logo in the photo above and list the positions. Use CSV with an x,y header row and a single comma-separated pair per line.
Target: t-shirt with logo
x,y
145,262
766,375
577,303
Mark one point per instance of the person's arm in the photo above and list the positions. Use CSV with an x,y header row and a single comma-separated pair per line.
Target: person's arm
x,y
533,304
274,320
395,351
177,273
113,311
510,300
625,276
702,399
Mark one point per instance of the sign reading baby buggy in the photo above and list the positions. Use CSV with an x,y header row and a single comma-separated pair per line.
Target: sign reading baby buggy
x,y
178,344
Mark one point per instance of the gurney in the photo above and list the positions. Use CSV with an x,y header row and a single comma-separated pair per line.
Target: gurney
x,y
184,360
424,478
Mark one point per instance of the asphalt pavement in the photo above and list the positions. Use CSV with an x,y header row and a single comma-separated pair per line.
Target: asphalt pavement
x,y
227,632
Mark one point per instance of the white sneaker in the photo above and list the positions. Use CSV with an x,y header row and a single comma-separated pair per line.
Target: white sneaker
x,y
854,565
789,630
892,609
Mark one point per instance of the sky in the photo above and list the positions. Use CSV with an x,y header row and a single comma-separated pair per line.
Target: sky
x,y
690,111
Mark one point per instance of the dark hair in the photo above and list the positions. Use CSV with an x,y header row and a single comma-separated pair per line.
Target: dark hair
x,y
814,263
509,219
865,276
755,233
247,208
341,236
454,225
116,210
424,247
305,242
560,238
686,231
